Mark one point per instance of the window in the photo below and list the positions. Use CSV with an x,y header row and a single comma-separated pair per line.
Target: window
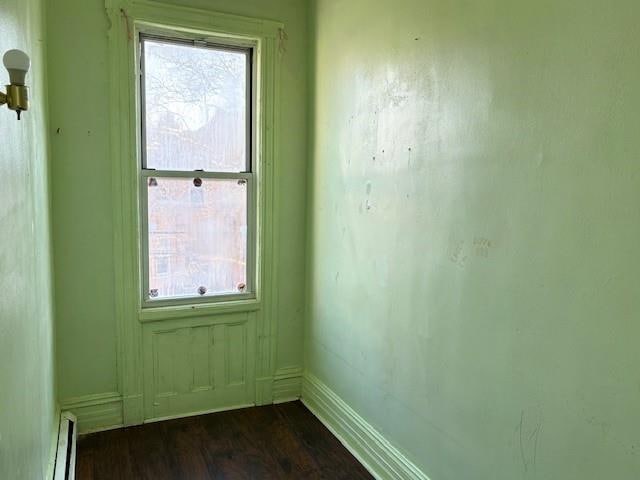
x,y
196,172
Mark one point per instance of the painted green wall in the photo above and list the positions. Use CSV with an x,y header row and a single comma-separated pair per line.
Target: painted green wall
x,y
27,388
82,187
474,232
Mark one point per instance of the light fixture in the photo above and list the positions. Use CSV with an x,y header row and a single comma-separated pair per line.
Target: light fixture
x,y
17,97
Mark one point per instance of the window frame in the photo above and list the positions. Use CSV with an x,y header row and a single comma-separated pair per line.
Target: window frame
x,y
126,18
213,44
168,35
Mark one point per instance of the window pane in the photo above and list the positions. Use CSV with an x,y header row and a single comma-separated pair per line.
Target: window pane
x,y
197,237
195,107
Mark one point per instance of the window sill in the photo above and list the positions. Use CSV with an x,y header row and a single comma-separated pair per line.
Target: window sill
x,y
154,314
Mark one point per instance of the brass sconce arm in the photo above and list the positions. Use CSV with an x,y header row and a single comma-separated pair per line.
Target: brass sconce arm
x,y
16,98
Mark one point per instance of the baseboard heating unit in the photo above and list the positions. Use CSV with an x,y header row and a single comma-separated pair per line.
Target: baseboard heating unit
x,y
65,468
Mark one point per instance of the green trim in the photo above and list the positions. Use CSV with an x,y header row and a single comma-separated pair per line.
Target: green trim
x,y
126,17
187,311
199,412
200,336
124,208
197,19
96,412
287,384
383,460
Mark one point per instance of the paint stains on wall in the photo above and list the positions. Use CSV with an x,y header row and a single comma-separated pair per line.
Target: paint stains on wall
x,y
461,251
482,247
528,432
457,253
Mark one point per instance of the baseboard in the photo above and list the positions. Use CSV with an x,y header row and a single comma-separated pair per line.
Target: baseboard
x,y
381,458
132,409
104,411
264,390
287,384
97,412
197,413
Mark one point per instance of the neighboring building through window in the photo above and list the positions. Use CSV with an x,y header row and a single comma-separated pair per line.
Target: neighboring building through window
x,y
197,171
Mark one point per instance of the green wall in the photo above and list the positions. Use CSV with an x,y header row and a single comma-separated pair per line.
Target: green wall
x,y
27,393
474,231
82,187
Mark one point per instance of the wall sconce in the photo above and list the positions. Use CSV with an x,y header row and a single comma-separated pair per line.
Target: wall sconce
x,y
17,97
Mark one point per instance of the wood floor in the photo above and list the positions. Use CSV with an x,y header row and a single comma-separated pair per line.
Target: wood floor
x,y
275,441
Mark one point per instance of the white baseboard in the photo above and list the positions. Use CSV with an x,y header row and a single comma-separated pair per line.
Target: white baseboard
x,y
97,412
287,384
381,458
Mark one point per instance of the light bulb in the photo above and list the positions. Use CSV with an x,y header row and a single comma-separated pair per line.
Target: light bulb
x,y
17,63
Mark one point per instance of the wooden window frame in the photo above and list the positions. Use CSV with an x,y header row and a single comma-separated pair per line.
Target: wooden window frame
x,y
127,19
199,40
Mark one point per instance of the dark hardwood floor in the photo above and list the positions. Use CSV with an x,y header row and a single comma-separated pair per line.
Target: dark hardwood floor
x,y
275,441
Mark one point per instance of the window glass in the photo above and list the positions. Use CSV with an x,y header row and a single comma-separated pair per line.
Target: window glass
x,y
197,236
195,107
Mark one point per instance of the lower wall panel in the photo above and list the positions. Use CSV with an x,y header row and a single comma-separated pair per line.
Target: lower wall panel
x,y
197,365
383,460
